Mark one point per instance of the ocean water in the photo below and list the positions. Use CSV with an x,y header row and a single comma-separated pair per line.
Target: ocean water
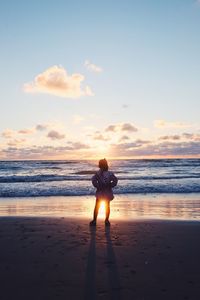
x,y
73,178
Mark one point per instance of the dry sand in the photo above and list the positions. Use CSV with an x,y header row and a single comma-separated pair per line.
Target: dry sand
x,y
60,258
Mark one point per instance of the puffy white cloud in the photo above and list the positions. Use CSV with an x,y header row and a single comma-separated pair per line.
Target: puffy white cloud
x,y
92,67
55,135
56,81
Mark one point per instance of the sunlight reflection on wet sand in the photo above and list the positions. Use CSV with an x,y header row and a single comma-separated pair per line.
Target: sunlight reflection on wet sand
x,y
154,206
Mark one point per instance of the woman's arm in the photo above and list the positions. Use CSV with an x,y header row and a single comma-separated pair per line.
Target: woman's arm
x,y
95,181
113,181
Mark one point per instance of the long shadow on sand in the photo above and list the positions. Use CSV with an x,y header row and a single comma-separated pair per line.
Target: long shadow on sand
x,y
90,287
113,277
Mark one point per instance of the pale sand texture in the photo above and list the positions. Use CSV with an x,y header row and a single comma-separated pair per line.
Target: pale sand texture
x,y
60,258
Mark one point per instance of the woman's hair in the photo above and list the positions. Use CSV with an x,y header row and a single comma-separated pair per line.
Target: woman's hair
x,y
103,165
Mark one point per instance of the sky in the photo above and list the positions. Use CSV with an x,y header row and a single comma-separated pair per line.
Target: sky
x,y
92,79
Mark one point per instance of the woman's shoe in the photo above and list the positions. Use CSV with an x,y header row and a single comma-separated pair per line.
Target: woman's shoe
x,y
107,222
93,223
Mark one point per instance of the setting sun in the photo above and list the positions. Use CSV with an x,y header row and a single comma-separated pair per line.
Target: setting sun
x,y
102,210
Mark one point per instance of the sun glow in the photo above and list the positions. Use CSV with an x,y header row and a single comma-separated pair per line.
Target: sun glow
x,y
102,209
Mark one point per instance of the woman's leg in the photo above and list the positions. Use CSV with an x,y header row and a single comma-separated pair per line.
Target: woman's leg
x,y
96,209
107,206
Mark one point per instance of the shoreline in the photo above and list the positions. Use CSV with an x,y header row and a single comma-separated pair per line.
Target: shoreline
x,y
123,207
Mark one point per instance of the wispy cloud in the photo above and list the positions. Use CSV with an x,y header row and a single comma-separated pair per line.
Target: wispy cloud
x,y
148,149
71,149
56,81
92,67
16,142
183,136
27,131
166,124
8,133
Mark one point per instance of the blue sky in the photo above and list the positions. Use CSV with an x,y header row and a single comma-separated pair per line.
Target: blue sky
x,y
148,56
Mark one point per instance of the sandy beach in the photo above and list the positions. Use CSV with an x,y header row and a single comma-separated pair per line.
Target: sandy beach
x,y
62,258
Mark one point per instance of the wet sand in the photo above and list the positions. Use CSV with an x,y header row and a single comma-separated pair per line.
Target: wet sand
x,y
123,207
62,258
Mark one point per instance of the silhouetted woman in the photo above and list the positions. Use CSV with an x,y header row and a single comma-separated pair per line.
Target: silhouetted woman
x,y
103,181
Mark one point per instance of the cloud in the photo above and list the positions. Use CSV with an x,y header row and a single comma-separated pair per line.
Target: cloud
x,y
8,133
124,138
33,152
57,82
41,127
166,124
78,146
100,137
128,127
70,149
92,67
27,131
16,142
55,135
164,149
170,137
111,128
183,136
191,136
